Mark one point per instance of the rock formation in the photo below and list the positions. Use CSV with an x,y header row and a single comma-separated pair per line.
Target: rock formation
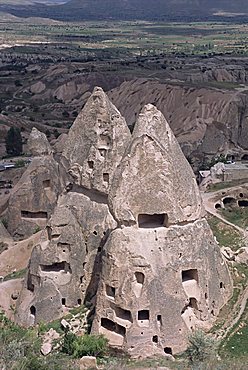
x,y
38,144
127,235
34,197
162,274
64,271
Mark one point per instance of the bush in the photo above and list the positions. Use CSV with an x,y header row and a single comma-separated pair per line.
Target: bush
x,y
87,345
20,163
201,347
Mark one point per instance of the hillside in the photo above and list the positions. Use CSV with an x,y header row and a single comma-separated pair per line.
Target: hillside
x,y
129,9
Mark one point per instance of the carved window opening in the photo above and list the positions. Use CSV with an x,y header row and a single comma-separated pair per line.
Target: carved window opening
x,y
112,326
153,221
140,277
91,164
57,267
143,318
27,214
243,203
190,275
168,350
123,314
106,177
33,311
193,303
63,301
244,157
110,291
217,206
79,301
155,339
229,201
47,184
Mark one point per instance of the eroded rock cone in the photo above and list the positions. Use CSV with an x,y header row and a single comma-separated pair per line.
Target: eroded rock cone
x,y
38,144
96,143
34,197
162,274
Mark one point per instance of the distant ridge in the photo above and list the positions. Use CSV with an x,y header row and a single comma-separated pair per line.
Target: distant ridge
x,y
127,9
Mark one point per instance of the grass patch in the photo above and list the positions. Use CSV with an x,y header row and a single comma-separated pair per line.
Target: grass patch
x,y
226,235
226,185
235,215
15,275
236,345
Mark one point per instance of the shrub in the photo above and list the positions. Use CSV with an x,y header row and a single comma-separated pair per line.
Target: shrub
x,y
201,347
20,163
87,345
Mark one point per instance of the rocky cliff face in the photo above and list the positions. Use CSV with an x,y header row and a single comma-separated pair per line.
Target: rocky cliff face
x,y
204,121
128,236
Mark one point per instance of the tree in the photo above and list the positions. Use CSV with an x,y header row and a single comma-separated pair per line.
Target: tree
x,y
13,141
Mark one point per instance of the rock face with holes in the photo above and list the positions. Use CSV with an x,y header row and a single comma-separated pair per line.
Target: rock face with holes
x,y
64,271
34,197
128,235
163,274
96,143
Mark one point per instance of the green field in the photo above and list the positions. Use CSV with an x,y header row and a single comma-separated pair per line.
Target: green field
x,y
137,38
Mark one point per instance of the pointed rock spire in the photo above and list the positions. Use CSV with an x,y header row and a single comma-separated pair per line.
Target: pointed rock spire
x,y
38,144
154,177
96,143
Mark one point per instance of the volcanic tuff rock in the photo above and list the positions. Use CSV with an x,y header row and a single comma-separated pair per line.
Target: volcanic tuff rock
x,y
96,143
150,171
205,121
38,144
34,197
162,274
127,235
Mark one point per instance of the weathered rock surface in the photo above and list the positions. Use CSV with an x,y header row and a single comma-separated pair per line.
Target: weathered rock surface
x,y
88,362
127,234
34,197
47,342
205,121
38,144
150,171
162,271
96,143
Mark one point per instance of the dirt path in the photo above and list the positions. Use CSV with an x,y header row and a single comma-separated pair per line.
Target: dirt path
x,y
209,200
209,205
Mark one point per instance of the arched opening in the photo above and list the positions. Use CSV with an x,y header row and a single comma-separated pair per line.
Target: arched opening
x,y
217,206
243,203
168,350
229,201
63,301
155,339
244,157
33,310
140,277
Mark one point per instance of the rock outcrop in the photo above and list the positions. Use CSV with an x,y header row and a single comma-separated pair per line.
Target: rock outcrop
x,y
38,144
127,235
96,143
34,197
162,274
66,268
